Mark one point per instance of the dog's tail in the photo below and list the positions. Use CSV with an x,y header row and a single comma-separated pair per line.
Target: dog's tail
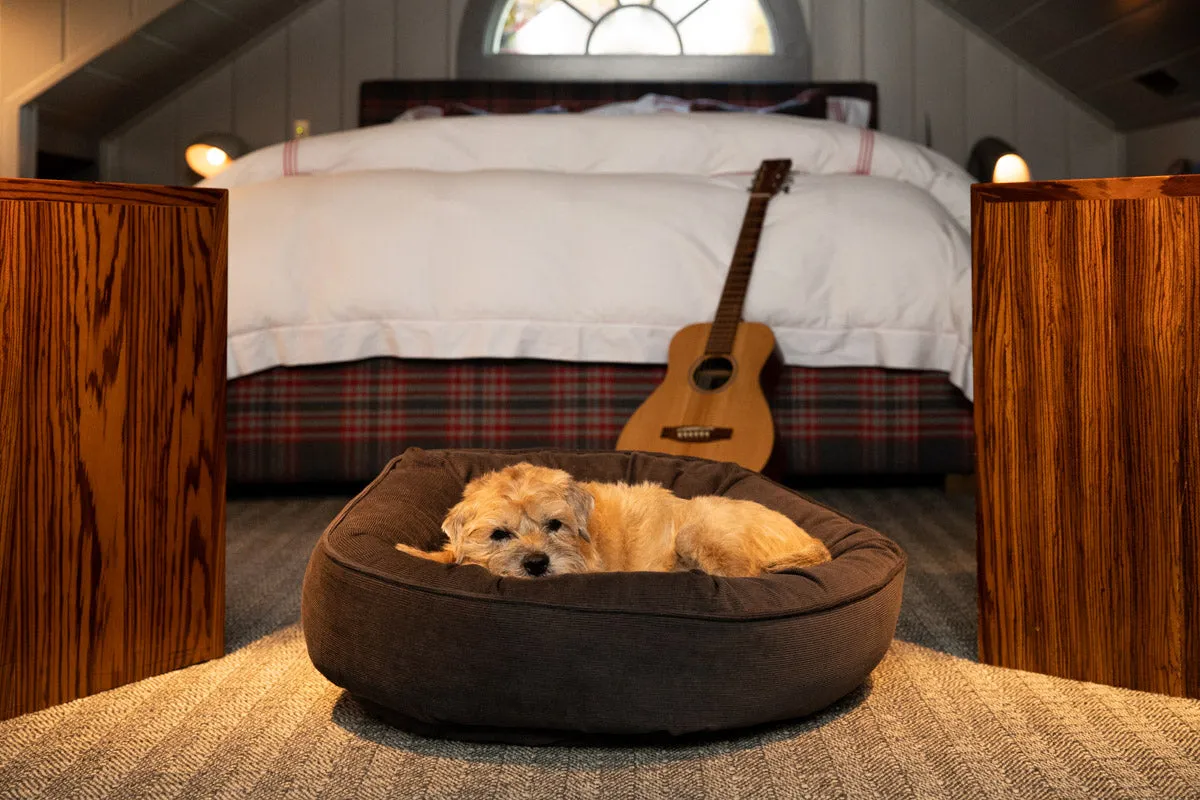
x,y
814,552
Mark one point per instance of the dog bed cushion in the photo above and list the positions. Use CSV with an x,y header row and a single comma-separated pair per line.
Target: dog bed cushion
x,y
456,651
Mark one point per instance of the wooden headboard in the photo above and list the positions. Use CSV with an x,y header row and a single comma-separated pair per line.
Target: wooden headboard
x,y
384,100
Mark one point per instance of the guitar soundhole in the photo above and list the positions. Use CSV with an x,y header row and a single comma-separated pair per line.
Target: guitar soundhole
x,y
712,373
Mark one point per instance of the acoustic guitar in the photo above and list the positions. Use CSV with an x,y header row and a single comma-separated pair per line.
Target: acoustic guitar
x,y
711,403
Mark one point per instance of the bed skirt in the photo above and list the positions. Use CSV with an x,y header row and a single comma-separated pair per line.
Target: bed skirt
x,y
341,423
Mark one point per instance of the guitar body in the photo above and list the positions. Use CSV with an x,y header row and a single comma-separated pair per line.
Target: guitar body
x,y
726,396
711,403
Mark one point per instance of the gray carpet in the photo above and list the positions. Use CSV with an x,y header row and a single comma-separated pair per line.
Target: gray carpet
x,y
930,723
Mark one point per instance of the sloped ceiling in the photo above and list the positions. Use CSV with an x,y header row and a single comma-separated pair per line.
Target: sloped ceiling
x,y
1137,62
169,51
1097,49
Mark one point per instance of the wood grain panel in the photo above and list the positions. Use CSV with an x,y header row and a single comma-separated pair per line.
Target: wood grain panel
x,y
1085,344
112,503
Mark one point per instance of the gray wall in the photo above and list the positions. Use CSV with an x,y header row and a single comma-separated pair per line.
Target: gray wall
x,y
42,41
924,60
1153,149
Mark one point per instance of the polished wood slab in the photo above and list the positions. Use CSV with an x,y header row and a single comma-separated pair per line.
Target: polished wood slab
x,y
1087,340
112,437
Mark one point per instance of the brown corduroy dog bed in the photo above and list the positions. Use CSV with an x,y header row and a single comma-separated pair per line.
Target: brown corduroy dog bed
x,y
455,651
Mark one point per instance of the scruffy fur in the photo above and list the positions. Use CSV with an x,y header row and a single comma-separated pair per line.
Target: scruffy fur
x,y
528,521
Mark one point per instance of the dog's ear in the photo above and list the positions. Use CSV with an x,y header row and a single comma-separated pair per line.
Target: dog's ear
x,y
452,526
581,502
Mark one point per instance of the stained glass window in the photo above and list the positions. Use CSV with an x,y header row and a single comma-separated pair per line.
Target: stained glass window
x,y
634,27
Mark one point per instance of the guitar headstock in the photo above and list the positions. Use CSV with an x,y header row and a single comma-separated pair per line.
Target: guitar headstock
x,y
773,176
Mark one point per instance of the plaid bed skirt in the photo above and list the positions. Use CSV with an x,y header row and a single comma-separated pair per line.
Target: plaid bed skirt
x,y
341,423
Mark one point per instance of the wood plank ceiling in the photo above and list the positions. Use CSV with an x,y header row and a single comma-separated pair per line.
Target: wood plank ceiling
x,y
1097,49
167,52
1135,61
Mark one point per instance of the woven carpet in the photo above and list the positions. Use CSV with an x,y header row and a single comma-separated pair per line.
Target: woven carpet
x,y
931,722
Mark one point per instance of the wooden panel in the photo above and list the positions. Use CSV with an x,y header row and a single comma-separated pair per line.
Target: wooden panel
x,y
145,10
205,107
90,20
888,60
368,49
992,14
837,41
991,103
314,79
456,9
31,41
1086,341
260,87
1041,127
1150,151
147,153
422,39
1155,33
940,82
1056,25
1094,151
113,525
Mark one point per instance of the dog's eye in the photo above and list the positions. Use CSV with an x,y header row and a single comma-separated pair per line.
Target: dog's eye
x,y
500,535
553,525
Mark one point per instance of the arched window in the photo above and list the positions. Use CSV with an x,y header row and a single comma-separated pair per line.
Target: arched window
x,y
634,39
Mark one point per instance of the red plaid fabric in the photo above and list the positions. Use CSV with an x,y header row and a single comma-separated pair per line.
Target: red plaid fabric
x,y
343,422
383,101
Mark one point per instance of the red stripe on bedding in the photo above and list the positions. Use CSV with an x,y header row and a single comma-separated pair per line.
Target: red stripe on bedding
x,y
866,152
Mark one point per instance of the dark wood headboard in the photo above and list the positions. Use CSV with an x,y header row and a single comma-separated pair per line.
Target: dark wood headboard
x,y
384,100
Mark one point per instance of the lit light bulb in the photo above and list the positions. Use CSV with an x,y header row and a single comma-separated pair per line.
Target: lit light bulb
x,y
1010,168
216,156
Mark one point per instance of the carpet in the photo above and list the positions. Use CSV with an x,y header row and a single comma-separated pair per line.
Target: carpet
x,y
931,722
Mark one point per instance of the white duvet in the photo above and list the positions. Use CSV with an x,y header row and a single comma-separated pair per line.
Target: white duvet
x,y
578,239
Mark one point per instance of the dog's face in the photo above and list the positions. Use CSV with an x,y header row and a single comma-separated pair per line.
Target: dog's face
x,y
522,521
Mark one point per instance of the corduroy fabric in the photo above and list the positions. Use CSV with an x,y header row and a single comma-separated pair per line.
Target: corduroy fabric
x,y
457,651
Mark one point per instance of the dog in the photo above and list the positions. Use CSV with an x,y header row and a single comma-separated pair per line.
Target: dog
x,y
534,522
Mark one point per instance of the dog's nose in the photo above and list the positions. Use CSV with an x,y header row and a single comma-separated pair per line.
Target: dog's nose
x,y
536,563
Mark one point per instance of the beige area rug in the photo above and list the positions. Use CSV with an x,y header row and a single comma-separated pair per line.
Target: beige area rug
x,y
931,723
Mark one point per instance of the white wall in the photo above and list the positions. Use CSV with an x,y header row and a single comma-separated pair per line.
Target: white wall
x,y
42,41
1150,151
924,60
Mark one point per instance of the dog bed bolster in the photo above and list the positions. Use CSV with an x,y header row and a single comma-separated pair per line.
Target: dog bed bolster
x,y
454,650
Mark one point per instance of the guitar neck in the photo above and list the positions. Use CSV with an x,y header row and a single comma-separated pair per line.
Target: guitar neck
x,y
733,296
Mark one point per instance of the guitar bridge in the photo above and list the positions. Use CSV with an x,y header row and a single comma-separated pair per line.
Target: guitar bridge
x,y
696,433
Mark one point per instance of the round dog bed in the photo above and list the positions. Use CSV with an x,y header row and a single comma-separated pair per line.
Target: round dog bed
x,y
456,651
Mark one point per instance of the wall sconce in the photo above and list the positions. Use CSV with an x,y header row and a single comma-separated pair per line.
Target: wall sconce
x,y
996,161
212,153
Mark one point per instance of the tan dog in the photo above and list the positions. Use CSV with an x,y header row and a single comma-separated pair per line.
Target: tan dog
x,y
527,521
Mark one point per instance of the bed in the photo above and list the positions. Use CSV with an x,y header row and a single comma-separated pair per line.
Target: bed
x,y
338,416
